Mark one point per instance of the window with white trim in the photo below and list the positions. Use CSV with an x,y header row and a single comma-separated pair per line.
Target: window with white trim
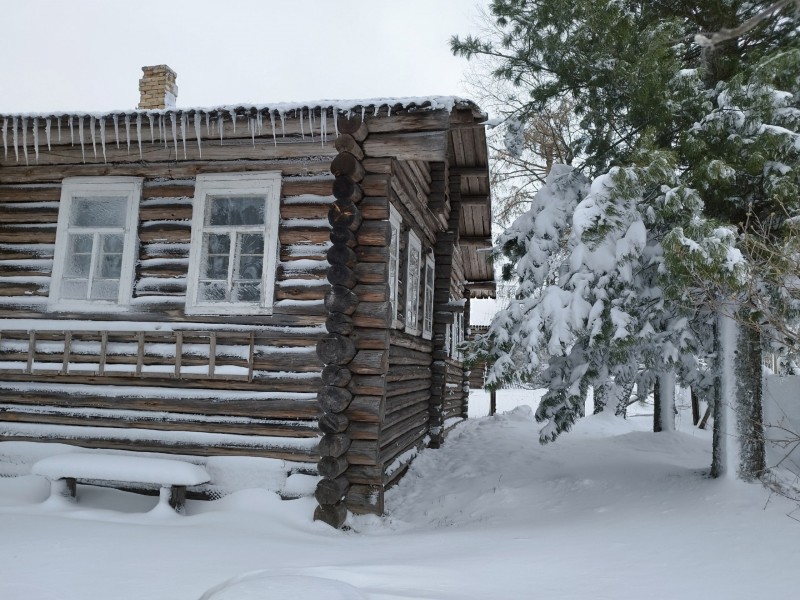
x,y
413,282
457,337
394,258
95,244
427,303
233,255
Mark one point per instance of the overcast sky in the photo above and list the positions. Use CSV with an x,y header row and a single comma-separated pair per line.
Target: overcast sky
x,y
86,55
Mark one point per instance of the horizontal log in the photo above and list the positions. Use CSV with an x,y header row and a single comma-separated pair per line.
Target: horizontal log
x,y
339,323
336,375
363,452
399,373
333,399
332,514
374,233
399,429
428,146
340,254
373,314
412,342
405,356
396,388
335,349
374,208
371,273
369,385
342,235
370,339
346,190
378,292
365,499
405,400
366,409
403,444
331,467
371,254
347,143
347,165
340,299
342,275
334,444
331,491
344,213
354,126
331,423
369,362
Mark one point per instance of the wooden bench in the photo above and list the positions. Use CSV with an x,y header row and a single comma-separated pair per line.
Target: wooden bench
x,y
174,476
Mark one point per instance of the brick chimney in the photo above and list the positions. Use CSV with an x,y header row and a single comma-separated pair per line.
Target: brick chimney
x,y
157,88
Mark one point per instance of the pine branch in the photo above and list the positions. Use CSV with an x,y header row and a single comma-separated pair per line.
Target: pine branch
x,y
725,34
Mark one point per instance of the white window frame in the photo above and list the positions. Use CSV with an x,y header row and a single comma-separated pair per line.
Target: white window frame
x,y
395,223
456,337
413,325
208,185
88,187
427,300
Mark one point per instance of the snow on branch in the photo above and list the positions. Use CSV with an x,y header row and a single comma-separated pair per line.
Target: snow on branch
x,y
725,34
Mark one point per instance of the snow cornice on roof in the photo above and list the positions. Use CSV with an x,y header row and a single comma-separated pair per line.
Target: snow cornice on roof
x,y
364,107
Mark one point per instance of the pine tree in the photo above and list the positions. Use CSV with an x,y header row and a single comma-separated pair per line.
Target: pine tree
x,y
698,144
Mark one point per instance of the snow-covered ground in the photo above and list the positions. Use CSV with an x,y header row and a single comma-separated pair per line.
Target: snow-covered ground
x,y
609,511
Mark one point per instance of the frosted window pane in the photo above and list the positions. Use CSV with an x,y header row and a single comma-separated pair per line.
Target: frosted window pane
x,y
218,244
80,244
212,292
236,210
250,267
74,289
111,266
217,268
99,212
247,292
105,289
252,243
113,243
78,265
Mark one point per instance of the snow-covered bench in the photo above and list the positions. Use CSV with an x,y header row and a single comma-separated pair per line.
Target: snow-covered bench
x,y
174,476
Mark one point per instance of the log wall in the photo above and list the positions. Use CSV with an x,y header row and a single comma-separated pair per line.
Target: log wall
x,y
252,380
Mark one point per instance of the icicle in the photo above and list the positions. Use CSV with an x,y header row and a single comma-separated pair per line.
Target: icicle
x,y
197,132
103,137
389,111
47,132
174,124
5,138
128,132
260,123
93,133
363,112
25,138
184,125
311,122
283,124
272,123
14,135
251,122
323,126
302,133
71,138
139,131
166,137
80,135
58,126
36,138
336,122
221,125
233,119
208,125
377,109
152,128
116,129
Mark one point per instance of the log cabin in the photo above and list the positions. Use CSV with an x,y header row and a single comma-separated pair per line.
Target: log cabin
x,y
287,282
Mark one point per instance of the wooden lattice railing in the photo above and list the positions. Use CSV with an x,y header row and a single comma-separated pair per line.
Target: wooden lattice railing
x,y
160,354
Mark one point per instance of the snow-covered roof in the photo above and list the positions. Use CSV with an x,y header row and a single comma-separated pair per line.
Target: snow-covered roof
x,y
363,107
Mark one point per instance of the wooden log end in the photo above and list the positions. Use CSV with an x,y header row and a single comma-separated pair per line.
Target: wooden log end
x,y
332,423
331,491
331,467
332,399
335,349
336,375
332,514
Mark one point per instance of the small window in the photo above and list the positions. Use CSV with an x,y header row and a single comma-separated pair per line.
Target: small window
x,y
234,244
394,259
456,337
413,282
95,244
427,308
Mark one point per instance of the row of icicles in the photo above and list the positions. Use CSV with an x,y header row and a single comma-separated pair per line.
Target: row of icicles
x,y
163,124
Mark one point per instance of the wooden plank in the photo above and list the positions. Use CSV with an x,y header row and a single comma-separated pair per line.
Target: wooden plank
x,y
179,352
31,351
67,348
